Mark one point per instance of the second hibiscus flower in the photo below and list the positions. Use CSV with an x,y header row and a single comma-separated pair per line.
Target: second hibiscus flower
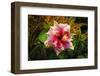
x,y
59,37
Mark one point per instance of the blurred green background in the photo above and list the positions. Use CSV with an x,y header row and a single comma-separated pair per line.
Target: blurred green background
x,y
38,26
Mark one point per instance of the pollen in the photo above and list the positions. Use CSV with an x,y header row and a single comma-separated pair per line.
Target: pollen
x,y
64,38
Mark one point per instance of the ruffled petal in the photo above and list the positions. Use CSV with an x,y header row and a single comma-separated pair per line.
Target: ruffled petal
x,y
59,37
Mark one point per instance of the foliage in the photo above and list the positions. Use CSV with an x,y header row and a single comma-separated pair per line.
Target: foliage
x,y
37,29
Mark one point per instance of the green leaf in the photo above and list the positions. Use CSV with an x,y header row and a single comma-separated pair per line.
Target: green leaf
x,y
51,53
62,55
38,53
42,36
67,54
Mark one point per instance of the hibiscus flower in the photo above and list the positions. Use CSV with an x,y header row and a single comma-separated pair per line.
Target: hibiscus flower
x,y
59,37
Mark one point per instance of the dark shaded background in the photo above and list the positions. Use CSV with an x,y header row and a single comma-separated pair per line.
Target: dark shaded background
x,y
39,25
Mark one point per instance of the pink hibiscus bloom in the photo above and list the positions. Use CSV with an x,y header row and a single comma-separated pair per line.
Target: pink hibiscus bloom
x,y
59,37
